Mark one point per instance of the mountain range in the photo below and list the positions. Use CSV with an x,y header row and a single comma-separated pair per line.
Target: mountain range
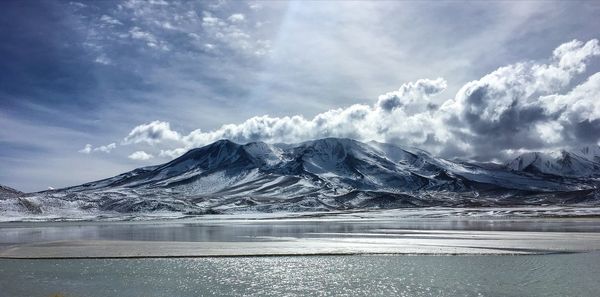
x,y
320,175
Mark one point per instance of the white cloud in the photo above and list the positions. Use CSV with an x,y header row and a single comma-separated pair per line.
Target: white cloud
x,y
140,156
233,35
106,148
550,132
174,153
208,20
217,4
152,133
159,2
357,121
209,46
236,18
580,104
577,112
520,84
412,94
77,4
137,33
572,55
514,108
103,59
148,38
88,148
254,6
110,20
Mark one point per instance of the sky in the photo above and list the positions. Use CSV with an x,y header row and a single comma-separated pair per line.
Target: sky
x,y
89,90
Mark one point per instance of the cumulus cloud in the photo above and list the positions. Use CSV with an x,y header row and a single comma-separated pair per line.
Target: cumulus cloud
x,y
172,154
412,94
506,109
152,133
357,121
88,148
577,113
519,107
140,156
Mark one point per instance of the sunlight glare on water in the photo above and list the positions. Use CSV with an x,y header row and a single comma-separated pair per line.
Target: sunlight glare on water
x,y
548,275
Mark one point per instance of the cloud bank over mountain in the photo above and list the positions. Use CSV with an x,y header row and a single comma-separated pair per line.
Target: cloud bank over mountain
x,y
525,106
79,76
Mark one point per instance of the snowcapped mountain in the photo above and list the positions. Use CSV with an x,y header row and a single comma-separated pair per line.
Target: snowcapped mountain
x,y
7,192
591,153
584,162
323,174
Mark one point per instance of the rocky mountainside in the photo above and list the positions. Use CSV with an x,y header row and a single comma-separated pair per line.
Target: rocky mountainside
x,y
581,163
324,174
7,192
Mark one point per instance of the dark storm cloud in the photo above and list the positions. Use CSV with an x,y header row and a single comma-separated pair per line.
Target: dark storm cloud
x,y
587,131
508,108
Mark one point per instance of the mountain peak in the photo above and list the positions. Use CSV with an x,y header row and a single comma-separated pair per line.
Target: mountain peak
x,y
331,141
224,141
561,163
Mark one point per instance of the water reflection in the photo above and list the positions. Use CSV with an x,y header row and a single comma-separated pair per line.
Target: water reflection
x,y
270,229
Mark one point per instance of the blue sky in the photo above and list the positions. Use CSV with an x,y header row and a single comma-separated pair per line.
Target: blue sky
x,y
92,89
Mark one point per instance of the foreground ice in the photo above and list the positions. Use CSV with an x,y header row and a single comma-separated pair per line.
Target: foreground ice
x,y
413,231
387,242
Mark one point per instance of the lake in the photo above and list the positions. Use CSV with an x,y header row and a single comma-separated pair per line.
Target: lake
x,y
530,275
390,253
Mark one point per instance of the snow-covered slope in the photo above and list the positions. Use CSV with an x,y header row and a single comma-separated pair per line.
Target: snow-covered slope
x,y
323,174
8,192
591,153
584,162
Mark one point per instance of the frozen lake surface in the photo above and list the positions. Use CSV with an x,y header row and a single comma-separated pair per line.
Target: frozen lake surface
x,y
387,232
504,252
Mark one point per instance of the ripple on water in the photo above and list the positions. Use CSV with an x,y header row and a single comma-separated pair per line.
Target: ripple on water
x,y
549,275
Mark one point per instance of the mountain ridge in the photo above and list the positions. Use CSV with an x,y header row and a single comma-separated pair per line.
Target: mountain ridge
x,y
322,174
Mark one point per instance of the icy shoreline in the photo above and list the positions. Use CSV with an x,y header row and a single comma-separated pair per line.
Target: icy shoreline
x,y
427,212
433,231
